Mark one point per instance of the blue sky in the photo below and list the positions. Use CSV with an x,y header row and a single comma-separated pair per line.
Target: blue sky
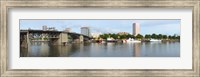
x,y
168,27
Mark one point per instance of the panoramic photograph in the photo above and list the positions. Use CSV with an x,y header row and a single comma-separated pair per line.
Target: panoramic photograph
x,y
100,37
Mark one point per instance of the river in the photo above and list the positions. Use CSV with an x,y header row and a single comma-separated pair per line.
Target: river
x,y
144,49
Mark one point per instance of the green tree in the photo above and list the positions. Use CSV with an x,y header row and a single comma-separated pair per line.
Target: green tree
x,y
104,36
45,39
139,36
178,37
128,36
160,36
115,36
154,36
147,36
164,36
132,36
174,36
169,37
122,36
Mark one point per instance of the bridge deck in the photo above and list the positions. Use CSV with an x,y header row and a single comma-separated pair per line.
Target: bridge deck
x,y
42,31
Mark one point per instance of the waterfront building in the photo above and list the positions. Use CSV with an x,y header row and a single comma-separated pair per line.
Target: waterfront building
x,y
123,33
67,30
136,29
46,28
95,35
52,29
85,31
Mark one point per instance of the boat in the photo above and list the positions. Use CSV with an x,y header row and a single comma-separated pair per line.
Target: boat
x,y
155,40
111,40
132,40
103,41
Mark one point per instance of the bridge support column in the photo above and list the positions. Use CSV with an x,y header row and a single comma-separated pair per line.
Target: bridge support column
x,y
63,39
43,36
28,39
81,38
25,40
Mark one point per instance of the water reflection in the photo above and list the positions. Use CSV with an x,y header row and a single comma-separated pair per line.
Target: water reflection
x,y
137,49
145,49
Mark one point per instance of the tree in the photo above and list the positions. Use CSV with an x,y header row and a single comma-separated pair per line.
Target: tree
x,y
178,37
128,36
122,36
174,36
147,36
169,37
115,36
139,36
154,36
159,36
132,36
164,36
104,36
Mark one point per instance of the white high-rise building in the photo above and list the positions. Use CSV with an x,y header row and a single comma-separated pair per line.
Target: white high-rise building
x,y
85,31
136,29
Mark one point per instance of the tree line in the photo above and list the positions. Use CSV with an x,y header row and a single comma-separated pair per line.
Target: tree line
x,y
139,36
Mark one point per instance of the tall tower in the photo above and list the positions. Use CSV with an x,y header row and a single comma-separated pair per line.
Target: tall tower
x,y
44,27
136,29
85,31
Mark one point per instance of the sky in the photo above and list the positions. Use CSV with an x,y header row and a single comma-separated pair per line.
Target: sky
x,y
150,26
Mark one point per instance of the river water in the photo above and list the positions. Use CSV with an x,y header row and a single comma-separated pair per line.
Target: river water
x,y
144,49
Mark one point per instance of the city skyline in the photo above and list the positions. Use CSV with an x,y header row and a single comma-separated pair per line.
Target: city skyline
x,y
168,27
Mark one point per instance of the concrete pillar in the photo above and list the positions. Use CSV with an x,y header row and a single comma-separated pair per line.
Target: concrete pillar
x,y
44,35
63,39
27,37
27,40
23,40
81,38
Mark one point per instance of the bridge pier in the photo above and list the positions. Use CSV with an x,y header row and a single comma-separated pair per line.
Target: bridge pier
x,y
43,36
25,40
81,38
62,39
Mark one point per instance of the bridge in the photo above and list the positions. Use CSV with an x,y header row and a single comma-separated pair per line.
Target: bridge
x,y
54,37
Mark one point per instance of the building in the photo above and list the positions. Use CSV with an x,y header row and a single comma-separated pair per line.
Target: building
x,y
51,29
67,30
85,31
123,33
96,35
136,29
44,28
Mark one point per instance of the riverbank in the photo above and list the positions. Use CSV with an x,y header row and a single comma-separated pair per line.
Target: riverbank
x,y
126,41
